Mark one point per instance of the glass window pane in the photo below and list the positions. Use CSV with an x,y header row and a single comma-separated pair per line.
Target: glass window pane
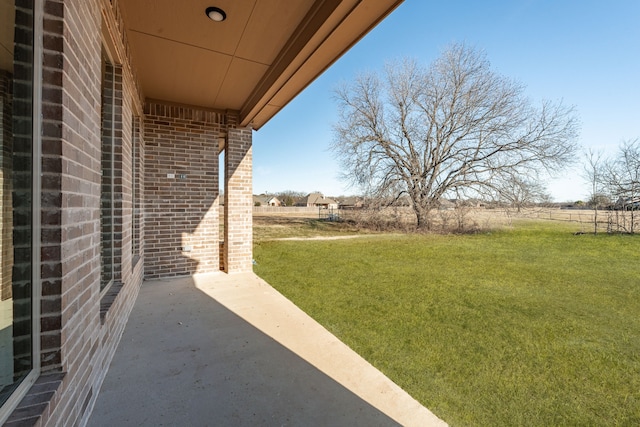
x,y
106,199
16,140
135,183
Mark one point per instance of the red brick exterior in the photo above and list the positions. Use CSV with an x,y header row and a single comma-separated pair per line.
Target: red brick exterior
x,y
79,337
171,228
181,190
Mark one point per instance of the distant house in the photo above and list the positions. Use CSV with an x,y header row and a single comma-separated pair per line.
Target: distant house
x,y
265,200
318,200
351,202
628,204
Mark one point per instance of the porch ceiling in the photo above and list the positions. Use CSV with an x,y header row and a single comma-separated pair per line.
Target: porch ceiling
x,y
254,62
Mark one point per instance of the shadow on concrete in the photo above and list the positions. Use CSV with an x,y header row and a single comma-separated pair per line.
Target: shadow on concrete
x,y
187,360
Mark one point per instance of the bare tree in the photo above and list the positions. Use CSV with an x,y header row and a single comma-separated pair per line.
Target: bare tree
x,y
520,192
289,197
593,173
454,127
622,177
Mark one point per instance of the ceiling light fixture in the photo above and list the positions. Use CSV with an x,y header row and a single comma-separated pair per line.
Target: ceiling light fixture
x,y
216,14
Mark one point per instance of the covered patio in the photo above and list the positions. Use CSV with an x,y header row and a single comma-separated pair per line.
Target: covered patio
x,y
202,347
220,349
130,110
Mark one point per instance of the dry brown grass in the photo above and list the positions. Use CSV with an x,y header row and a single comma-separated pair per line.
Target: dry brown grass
x,y
274,225
278,226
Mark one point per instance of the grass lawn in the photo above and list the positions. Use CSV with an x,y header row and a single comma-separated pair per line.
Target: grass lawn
x,y
529,326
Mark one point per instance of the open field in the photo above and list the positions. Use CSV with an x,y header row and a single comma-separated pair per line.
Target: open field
x,y
523,325
275,223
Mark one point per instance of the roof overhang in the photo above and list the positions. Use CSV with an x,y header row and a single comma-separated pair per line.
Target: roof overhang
x,y
254,62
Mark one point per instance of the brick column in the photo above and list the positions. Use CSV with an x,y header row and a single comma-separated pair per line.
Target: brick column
x,y
238,197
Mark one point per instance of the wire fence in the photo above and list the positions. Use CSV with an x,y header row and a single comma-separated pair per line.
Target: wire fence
x,y
603,221
609,221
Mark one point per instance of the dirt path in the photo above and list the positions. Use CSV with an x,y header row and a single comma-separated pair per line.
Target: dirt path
x,y
323,237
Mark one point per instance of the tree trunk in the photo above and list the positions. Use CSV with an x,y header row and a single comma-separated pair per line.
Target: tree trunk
x,y
423,217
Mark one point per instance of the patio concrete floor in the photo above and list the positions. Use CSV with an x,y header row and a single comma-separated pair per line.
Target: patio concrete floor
x,y
229,350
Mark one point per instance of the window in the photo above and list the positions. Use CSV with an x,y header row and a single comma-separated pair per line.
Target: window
x,y
136,190
19,219
106,198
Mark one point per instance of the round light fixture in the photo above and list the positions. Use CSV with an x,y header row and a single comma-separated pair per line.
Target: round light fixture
x,y
216,14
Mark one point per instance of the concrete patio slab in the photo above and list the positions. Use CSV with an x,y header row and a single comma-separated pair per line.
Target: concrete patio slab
x,y
230,350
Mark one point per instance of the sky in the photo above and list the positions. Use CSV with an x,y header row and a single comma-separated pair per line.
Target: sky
x,y
585,53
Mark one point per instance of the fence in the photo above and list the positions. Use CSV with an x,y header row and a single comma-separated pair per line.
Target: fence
x,y
608,221
306,211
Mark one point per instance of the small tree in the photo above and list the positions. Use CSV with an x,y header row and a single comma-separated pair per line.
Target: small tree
x,y
622,176
593,173
289,197
520,192
454,127
599,201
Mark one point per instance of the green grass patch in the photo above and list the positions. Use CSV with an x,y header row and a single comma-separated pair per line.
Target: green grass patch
x,y
530,326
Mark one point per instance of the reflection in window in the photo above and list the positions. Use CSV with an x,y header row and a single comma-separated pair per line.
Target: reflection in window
x,y
135,187
16,139
106,198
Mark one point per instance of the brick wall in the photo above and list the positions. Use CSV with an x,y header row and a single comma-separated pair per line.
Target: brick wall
x,y
80,326
70,200
181,190
78,335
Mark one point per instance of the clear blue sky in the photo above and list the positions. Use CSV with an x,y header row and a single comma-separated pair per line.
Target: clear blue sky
x,y
583,52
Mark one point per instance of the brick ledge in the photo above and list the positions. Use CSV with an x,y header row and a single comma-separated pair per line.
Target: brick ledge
x,y
108,299
30,409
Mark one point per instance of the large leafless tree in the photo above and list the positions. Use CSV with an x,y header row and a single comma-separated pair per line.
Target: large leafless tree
x,y
453,127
